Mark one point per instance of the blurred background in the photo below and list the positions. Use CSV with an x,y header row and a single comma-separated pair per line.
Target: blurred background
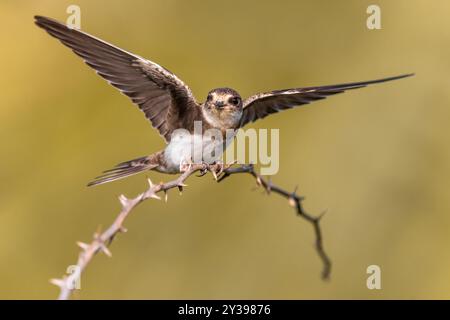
x,y
377,158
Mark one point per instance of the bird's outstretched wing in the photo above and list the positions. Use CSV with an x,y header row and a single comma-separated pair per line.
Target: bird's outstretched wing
x,y
261,105
160,94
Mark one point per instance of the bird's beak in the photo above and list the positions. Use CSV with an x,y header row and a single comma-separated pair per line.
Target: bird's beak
x,y
219,104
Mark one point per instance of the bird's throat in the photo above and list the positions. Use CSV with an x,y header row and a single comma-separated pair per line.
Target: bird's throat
x,y
223,119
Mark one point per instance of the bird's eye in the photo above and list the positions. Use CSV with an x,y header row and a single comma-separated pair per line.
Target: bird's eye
x,y
209,97
234,101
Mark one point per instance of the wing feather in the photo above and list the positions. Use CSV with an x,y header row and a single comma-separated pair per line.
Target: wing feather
x,y
159,93
261,105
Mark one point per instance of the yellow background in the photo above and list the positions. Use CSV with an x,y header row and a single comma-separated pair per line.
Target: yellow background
x,y
377,158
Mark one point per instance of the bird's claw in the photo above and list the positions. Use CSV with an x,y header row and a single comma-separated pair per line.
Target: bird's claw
x,y
204,170
185,165
220,167
217,169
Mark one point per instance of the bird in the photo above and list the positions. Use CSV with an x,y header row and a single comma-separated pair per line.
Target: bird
x,y
169,104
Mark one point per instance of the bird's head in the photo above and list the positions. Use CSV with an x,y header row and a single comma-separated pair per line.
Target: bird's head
x,y
223,107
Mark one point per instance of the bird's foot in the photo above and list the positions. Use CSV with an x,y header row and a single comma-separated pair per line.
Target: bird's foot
x,y
185,165
217,169
204,170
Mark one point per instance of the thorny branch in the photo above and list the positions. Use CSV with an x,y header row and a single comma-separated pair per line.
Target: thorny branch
x,y
102,240
295,201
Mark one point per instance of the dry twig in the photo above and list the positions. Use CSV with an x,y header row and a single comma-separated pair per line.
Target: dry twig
x,y
295,201
102,240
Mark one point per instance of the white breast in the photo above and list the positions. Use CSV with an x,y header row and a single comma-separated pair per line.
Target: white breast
x,y
185,147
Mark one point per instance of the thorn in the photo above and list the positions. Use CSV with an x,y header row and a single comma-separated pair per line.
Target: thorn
x,y
155,196
293,197
166,196
292,202
58,282
229,165
123,200
98,232
320,216
181,184
150,183
123,229
214,174
258,181
82,245
180,188
105,250
269,185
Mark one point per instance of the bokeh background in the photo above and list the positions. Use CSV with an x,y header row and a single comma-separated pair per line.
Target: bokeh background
x,y
377,158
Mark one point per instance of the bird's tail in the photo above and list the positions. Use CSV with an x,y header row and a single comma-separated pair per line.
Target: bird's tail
x,y
125,169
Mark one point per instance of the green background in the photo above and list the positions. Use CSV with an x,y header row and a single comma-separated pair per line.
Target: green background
x,y
377,158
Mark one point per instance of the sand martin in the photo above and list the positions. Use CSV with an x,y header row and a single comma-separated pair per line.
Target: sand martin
x,y
169,103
